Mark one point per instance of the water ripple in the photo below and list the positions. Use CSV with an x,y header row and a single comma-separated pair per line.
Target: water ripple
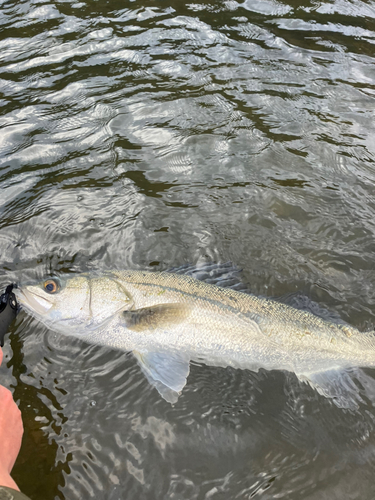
x,y
156,135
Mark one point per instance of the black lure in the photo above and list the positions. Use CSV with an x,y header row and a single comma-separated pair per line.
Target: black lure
x,y
8,311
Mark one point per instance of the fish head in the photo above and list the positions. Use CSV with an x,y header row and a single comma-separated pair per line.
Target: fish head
x,y
76,304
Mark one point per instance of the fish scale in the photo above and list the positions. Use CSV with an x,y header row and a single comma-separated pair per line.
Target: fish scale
x,y
278,321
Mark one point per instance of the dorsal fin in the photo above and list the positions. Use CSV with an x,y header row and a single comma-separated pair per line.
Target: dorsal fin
x,y
221,274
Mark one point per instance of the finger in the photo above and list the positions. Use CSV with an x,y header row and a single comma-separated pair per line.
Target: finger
x,y
11,427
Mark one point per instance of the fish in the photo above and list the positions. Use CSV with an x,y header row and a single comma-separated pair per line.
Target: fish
x,y
169,319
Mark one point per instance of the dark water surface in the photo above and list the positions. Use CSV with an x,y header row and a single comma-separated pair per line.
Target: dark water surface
x,y
151,134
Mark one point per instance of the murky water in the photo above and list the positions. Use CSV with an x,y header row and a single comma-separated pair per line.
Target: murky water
x,y
151,134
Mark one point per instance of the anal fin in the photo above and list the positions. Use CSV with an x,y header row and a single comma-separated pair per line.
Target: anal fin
x,y
167,372
348,388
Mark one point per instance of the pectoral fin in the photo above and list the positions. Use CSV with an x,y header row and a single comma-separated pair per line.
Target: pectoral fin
x,y
166,372
155,316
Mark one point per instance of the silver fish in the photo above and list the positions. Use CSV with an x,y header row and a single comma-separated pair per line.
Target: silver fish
x,y
169,319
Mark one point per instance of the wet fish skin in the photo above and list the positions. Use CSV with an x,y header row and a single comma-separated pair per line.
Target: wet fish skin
x,y
168,319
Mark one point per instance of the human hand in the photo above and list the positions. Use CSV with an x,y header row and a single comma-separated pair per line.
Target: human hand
x,y
11,430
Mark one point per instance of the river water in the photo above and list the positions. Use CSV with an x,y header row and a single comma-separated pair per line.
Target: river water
x,y
152,134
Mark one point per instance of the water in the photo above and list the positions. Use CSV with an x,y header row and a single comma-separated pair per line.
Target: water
x,y
151,134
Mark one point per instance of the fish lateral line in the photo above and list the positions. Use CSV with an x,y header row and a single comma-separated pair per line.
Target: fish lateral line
x,y
232,301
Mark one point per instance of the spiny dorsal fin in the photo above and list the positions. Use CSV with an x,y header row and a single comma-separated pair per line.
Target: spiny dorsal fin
x,y
155,316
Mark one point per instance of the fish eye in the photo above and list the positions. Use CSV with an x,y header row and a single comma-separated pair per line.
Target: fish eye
x,y
51,286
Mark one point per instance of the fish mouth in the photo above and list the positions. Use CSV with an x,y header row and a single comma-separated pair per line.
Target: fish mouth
x,y
32,301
